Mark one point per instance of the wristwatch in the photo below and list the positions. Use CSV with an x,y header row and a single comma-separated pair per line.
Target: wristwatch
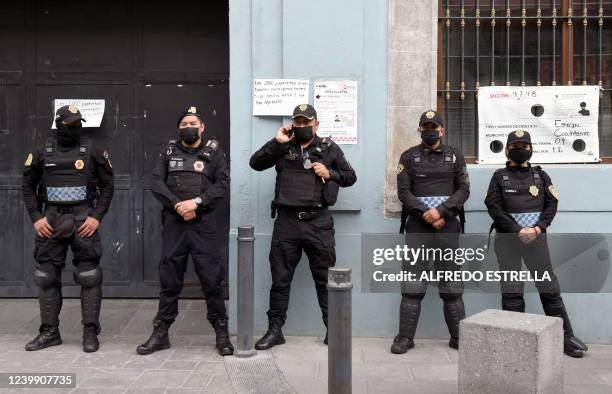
x,y
198,201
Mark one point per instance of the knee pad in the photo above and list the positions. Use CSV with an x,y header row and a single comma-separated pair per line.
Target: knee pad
x,y
89,278
44,279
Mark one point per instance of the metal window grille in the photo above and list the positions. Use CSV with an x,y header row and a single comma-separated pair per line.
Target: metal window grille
x,y
520,42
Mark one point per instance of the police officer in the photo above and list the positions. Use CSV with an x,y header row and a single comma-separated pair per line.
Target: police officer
x,y
190,177
309,172
433,185
522,201
60,183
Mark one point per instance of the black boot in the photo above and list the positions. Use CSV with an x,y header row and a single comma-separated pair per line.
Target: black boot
x,y
158,340
224,346
49,336
273,337
554,306
325,340
91,302
454,312
90,337
574,347
401,345
410,309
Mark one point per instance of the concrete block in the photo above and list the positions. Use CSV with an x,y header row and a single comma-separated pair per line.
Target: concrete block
x,y
510,352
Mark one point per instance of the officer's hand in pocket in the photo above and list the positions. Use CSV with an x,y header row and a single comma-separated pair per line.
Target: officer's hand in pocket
x,y
88,228
43,228
284,134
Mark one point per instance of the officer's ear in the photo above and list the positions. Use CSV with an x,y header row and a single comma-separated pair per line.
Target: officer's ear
x,y
202,127
442,131
315,127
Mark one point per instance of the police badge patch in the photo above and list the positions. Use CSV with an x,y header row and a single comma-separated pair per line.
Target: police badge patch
x,y
533,190
553,191
28,161
198,166
79,164
400,168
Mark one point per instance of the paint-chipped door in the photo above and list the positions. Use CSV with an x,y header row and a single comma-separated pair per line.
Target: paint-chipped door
x,y
148,61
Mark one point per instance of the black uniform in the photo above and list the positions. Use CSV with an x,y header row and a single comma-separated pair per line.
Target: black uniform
x,y
62,183
431,178
521,197
180,174
304,222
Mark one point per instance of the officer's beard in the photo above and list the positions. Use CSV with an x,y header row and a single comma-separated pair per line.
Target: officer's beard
x,y
68,135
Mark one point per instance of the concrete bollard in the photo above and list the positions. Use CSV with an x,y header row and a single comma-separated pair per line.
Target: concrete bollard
x,y
510,352
339,352
246,291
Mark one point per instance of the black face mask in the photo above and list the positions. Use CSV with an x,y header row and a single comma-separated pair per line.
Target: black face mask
x,y
519,155
68,135
430,137
189,135
302,134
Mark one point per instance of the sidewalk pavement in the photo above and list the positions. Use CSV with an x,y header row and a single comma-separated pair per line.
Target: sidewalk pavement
x,y
192,365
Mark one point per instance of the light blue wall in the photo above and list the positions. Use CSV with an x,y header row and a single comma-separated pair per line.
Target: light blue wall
x,y
347,39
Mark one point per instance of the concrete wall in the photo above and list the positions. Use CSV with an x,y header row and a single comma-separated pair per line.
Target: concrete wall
x,y
348,39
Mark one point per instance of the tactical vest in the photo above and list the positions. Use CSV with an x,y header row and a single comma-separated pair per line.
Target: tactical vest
x,y
297,186
68,177
423,173
523,199
189,173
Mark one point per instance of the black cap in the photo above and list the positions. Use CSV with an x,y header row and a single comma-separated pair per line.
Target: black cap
x,y
431,116
518,136
67,114
189,112
304,110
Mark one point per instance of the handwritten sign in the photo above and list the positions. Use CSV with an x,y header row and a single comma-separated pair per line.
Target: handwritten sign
x,y
278,97
562,121
91,110
336,104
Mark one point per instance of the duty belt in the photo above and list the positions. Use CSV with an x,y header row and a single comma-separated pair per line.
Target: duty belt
x,y
303,215
432,201
527,219
68,208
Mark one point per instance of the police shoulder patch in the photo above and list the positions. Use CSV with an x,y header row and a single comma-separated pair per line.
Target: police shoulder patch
x,y
28,161
553,190
400,168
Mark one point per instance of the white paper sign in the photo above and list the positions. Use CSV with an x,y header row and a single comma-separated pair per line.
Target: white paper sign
x,y
91,110
562,121
336,103
278,97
